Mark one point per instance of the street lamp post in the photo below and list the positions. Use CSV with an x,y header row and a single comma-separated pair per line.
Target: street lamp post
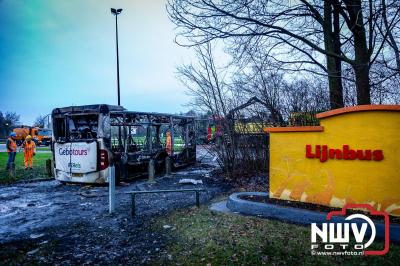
x,y
46,117
116,12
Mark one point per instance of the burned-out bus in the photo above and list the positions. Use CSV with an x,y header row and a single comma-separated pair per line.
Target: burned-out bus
x,y
88,139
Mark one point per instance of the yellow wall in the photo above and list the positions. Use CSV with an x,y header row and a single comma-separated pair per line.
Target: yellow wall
x,y
336,182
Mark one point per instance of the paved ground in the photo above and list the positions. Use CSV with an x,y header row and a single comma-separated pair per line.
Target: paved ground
x,y
29,208
48,222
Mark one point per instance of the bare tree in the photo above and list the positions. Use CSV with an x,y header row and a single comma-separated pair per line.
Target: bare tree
x,y
7,121
40,121
211,93
342,31
390,18
271,42
210,90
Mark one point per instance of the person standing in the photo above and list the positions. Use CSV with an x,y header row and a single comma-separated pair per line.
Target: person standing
x,y
11,146
29,148
168,142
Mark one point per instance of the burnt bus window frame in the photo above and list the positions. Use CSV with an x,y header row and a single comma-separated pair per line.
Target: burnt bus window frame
x,y
59,126
84,114
127,119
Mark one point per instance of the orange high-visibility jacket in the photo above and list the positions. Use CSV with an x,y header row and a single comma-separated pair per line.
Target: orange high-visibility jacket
x,y
11,145
29,148
168,143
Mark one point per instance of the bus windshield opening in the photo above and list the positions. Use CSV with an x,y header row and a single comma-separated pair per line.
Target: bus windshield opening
x,y
76,127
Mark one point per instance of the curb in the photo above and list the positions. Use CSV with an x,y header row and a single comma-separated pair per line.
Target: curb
x,y
294,215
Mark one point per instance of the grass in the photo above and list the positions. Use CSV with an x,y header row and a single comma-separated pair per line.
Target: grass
x,y
39,167
43,148
208,238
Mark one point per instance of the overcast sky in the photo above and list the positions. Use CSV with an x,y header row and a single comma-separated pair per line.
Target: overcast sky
x,y
61,53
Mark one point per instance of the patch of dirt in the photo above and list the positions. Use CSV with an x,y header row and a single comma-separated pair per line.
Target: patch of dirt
x,y
87,244
251,183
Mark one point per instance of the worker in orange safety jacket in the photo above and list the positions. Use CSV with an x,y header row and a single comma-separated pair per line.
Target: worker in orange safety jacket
x,y
29,148
168,143
11,149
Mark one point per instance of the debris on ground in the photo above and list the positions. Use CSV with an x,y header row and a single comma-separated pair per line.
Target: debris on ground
x,y
34,236
190,181
30,253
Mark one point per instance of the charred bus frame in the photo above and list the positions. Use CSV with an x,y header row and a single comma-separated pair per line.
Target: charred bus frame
x,y
131,153
127,139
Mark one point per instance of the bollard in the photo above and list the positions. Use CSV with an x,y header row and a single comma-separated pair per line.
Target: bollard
x,y
168,165
151,171
48,167
197,199
111,189
133,208
11,171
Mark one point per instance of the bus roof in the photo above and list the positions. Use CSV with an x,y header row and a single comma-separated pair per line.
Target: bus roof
x,y
93,108
113,109
153,114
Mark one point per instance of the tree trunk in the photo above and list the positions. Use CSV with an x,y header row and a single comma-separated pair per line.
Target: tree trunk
x,y
361,66
362,83
361,52
339,102
334,65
